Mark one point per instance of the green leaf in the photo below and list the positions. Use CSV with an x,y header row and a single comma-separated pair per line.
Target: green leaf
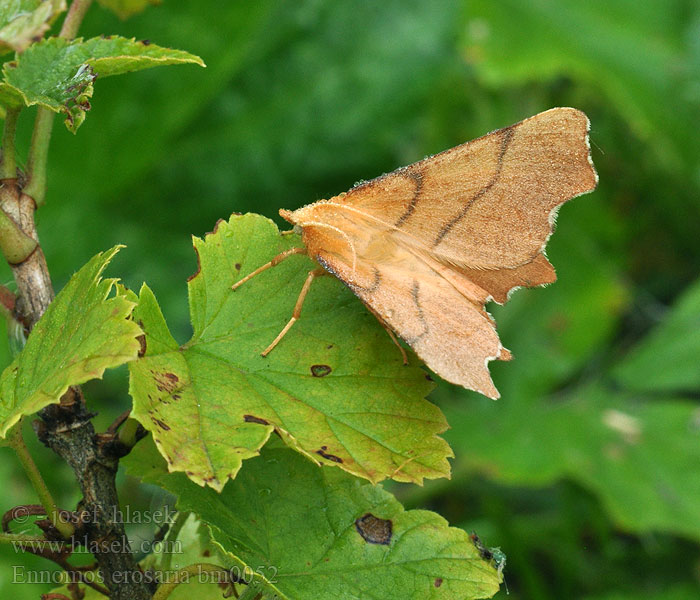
x,y
81,334
23,21
319,533
667,359
335,389
57,73
127,8
638,456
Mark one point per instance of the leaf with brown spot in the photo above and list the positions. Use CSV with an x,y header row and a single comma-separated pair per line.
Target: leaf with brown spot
x,y
351,539
337,390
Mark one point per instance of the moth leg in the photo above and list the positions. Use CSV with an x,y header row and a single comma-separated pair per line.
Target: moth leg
x,y
390,332
273,263
297,308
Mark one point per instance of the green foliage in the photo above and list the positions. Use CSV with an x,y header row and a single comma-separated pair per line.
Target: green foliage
x,y
335,389
82,333
584,472
281,501
58,73
127,8
23,21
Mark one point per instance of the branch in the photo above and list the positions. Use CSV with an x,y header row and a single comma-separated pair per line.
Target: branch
x,y
67,429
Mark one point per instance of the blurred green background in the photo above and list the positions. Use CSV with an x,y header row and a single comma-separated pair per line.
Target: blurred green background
x,y
587,471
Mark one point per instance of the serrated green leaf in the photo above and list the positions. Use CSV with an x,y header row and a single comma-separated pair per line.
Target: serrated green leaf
x,y
307,531
667,359
23,21
128,8
335,389
81,334
56,73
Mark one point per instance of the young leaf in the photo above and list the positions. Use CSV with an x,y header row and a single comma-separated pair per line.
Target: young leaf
x,y
23,21
81,334
56,73
335,389
320,533
127,8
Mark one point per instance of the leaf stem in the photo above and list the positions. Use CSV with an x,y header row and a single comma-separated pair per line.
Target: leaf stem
x,y
9,162
38,155
19,538
41,136
16,441
75,16
184,575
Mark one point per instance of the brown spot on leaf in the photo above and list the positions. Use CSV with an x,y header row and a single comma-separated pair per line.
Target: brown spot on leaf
x,y
252,419
332,457
374,530
161,424
320,370
142,344
199,265
329,346
238,266
176,396
165,382
206,553
146,42
438,582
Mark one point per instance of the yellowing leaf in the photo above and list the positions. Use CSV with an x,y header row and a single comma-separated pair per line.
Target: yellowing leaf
x,y
336,389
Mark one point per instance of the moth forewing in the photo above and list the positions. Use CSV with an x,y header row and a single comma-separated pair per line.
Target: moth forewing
x,y
425,247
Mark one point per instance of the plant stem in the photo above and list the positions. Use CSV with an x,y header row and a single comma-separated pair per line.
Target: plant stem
x,y
38,155
184,575
9,163
18,538
41,136
75,16
17,442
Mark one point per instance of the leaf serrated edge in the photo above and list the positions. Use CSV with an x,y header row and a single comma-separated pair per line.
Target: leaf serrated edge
x,y
106,257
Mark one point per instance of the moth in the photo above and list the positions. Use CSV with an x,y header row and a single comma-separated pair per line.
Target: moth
x,y
427,246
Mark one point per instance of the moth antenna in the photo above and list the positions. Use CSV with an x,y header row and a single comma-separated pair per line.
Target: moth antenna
x,y
344,235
